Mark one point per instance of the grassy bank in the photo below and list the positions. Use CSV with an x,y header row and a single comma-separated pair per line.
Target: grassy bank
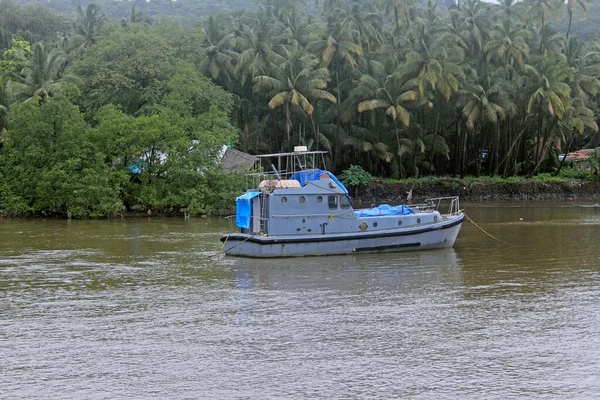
x,y
542,187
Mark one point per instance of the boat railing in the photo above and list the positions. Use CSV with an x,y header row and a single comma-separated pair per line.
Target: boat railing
x,y
281,166
445,205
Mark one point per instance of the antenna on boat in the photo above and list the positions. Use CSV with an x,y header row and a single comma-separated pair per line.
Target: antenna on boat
x,y
276,173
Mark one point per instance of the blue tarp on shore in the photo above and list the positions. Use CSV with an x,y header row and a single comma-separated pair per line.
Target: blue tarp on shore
x,y
384,209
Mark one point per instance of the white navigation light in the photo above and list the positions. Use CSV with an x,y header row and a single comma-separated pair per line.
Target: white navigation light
x,y
300,149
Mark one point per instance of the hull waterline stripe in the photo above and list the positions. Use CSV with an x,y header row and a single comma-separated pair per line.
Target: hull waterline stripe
x,y
387,247
270,240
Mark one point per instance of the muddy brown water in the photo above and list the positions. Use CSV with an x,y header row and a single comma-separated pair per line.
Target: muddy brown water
x,y
147,309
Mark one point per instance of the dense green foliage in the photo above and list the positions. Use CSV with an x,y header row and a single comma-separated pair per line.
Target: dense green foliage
x,y
185,11
125,121
355,176
113,110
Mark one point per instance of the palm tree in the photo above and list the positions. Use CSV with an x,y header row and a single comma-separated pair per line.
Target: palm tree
x,y
136,18
87,25
389,97
476,22
550,95
371,143
571,6
400,9
297,27
433,59
42,75
509,10
543,9
258,55
507,44
366,22
218,60
576,119
482,104
337,49
585,64
295,84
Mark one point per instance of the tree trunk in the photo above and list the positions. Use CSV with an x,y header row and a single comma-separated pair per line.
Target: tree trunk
x,y
509,152
569,28
566,152
339,119
539,134
546,143
464,152
545,149
312,121
288,122
494,154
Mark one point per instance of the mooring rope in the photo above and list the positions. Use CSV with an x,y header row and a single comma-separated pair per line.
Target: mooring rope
x,y
220,253
487,233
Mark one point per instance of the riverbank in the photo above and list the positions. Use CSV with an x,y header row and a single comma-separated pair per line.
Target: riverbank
x,y
379,191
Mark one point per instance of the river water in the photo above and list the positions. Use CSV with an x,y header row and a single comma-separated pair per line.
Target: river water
x,y
149,309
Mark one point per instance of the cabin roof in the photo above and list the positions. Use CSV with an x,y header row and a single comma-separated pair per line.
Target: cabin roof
x,y
235,160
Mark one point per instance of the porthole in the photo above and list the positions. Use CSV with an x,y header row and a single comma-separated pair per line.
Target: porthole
x,y
319,199
418,220
374,224
435,218
399,222
284,200
301,199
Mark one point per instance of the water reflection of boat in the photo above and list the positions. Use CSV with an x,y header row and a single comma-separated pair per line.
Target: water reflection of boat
x,y
389,270
298,209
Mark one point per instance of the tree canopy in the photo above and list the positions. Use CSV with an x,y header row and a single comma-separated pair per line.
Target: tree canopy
x,y
139,108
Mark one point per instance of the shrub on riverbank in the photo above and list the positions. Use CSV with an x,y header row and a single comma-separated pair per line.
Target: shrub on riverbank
x,y
541,187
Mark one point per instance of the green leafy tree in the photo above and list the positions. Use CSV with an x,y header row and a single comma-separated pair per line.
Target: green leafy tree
x,y
15,57
50,165
128,68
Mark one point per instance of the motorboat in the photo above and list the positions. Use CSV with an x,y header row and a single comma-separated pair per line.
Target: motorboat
x,y
294,207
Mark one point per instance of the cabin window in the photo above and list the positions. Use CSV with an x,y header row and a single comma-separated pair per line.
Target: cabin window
x,y
301,199
332,201
319,199
344,202
284,200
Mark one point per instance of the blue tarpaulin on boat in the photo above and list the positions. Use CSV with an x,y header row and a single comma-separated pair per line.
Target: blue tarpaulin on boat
x,y
384,209
314,175
243,209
